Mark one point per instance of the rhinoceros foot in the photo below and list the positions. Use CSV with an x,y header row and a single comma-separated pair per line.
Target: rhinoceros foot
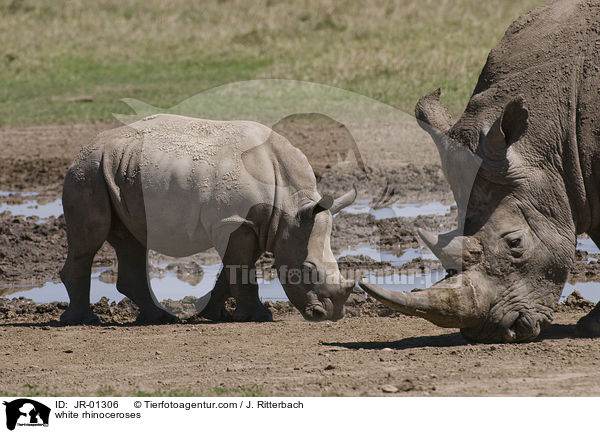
x,y
589,326
73,316
156,317
252,313
216,313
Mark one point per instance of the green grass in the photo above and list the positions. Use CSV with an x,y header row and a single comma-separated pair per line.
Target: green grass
x,y
162,53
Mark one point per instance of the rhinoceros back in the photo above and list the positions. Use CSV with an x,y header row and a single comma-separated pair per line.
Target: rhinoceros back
x,y
549,56
177,179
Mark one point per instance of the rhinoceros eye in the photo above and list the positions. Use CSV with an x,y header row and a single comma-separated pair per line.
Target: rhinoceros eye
x,y
514,243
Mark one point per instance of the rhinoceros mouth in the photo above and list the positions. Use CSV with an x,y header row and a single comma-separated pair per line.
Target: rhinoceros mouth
x,y
515,326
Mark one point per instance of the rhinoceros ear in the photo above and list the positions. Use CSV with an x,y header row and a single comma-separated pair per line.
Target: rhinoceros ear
x,y
433,117
506,130
430,112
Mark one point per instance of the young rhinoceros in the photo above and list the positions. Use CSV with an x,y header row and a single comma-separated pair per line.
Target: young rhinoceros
x,y
181,185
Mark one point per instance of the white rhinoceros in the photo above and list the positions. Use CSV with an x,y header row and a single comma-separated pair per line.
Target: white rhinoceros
x,y
532,129
181,185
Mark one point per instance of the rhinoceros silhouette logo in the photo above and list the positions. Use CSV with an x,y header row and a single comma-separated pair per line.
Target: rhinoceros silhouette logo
x,y
27,412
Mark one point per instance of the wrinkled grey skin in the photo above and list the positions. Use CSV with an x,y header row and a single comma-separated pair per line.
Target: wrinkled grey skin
x,y
180,185
533,124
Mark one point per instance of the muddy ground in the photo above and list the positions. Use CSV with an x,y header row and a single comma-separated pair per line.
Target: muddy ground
x,y
372,351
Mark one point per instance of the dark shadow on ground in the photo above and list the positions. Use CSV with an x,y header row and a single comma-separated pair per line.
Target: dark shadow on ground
x,y
558,332
553,332
446,340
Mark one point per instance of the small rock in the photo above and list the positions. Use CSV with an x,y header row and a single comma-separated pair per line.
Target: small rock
x,y
67,351
158,353
109,276
389,389
407,385
576,301
330,367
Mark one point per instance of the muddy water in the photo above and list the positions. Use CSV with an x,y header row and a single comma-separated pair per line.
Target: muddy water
x,y
168,286
395,258
588,245
30,206
24,194
399,210
589,290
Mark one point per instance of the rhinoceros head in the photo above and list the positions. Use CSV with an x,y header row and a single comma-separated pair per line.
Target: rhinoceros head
x,y
510,258
307,268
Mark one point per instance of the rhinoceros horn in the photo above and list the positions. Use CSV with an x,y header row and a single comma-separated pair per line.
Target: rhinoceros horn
x,y
447,247
455,302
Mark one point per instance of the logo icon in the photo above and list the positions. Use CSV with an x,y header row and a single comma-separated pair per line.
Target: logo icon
x,y
26,412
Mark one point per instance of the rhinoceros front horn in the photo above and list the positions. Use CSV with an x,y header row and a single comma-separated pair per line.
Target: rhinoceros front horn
x,y
451,303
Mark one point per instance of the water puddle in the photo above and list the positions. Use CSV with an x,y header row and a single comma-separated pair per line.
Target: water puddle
x,y
406,282
399,210
410,254
587,245
375,254
24,193
32,206
589,290
168,286
392,257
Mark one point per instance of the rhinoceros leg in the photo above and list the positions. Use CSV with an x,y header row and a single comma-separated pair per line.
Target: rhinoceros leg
x,y
87,213
132,279
239,270
589,325
215,309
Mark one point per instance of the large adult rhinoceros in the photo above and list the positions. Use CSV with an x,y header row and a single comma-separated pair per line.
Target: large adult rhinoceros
x,y
181,185
533,122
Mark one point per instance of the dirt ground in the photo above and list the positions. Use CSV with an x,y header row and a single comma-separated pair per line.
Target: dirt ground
x,y
372,351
